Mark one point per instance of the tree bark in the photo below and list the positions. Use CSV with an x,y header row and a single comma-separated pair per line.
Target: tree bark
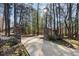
x,y
38,19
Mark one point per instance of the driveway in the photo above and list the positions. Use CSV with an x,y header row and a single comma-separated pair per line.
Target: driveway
x,y
37,46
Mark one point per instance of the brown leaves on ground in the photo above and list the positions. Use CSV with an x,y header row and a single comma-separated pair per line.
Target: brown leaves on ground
x,y
75,43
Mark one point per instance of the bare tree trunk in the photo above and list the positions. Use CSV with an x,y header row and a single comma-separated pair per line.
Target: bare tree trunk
x,y
76,20
7,19
3,21
15,19
70,19
38,19
45,28
57,18
20,21
5,7
51,19
54,15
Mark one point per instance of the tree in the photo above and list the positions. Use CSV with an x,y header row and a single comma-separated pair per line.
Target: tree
x,y
8,15
54,15
38,19
76,20
15,18
59,7
50,18
70,19
34,17
57,17
7,19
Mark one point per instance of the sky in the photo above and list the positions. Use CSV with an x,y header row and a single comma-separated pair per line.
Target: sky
x,y
39,1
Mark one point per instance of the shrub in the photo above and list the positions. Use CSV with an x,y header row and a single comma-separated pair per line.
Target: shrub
x,y
54,38
12,41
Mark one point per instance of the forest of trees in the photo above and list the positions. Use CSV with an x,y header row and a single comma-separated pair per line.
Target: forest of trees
x,y
59,19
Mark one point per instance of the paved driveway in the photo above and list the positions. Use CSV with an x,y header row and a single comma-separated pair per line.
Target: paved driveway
x,y
37,46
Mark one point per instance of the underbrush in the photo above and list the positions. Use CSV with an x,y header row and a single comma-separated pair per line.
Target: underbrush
x,y
11,47
60,41
54,38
